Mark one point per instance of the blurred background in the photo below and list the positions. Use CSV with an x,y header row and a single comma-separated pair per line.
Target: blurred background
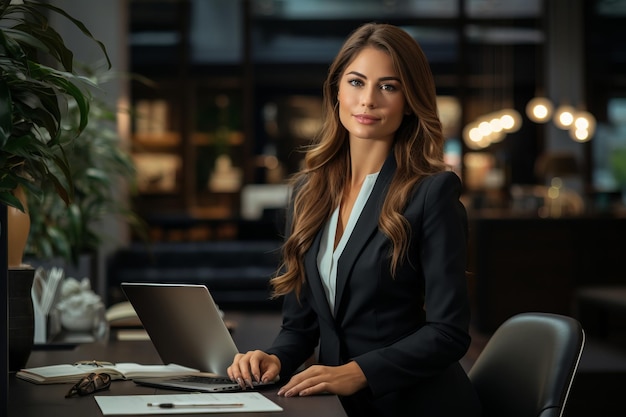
x,y
215,98
235,90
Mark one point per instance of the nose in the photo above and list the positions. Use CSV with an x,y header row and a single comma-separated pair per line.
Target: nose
x,y
368,97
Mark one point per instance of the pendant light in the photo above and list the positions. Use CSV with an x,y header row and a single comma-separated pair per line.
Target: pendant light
x,y
510,118
583,127
539,109
564,116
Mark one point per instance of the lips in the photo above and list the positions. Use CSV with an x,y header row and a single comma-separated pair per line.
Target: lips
x,y
365,119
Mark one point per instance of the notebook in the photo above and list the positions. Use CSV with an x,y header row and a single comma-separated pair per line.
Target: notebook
x,y
186,328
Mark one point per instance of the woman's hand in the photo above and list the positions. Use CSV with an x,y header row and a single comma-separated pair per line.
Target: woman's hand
x,y
340,380
255,366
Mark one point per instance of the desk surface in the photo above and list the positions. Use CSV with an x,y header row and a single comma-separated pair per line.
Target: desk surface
x,y
30,400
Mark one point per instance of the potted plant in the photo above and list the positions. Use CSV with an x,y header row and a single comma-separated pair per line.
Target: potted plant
x,y
33,101
98,164
37,80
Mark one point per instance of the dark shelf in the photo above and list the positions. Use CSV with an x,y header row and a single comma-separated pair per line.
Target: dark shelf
x,y
274,61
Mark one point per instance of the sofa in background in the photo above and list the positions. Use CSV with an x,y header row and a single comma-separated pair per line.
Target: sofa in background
x,y
236,272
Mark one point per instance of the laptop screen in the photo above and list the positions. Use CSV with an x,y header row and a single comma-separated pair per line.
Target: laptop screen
x,y
184,324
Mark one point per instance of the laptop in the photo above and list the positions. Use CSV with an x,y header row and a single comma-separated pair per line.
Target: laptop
x,y
186,328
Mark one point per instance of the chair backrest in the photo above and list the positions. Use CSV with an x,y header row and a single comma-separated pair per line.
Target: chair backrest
x,y
528,365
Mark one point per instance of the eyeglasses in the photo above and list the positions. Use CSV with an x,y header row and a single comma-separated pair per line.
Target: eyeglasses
x,y
90,384
98,364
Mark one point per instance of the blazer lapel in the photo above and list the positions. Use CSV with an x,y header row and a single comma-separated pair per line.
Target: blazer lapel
x,y
314,280
365,227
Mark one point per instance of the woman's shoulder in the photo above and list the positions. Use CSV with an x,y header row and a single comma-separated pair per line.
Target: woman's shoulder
x,y
442,179
438,186
435,191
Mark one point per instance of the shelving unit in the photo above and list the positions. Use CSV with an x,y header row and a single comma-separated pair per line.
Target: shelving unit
x,y
189,116
237,84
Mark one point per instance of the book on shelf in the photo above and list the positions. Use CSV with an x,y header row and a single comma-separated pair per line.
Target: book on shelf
x,y
72,373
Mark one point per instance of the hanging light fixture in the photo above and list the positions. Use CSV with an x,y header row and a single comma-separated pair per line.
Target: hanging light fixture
x,y
564,116
511,120
497,130
583,127
539,109
474,138
581,124
493,127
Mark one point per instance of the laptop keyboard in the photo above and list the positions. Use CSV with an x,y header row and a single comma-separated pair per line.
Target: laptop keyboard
x,y
204,379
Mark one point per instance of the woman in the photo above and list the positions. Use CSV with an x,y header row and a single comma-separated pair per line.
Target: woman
x,y
374,264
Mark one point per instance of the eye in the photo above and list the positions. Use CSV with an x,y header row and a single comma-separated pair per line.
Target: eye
x,y
355,82
388,87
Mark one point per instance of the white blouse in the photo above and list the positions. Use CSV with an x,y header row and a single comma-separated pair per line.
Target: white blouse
x,y
327,258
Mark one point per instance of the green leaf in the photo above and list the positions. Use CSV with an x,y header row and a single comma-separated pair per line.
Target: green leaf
x,y
81,100
11,45
13,201
30,8
6,109
17,38
62,246
40,108
53,44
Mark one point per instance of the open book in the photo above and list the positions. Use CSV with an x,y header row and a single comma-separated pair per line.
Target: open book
x,y
67,373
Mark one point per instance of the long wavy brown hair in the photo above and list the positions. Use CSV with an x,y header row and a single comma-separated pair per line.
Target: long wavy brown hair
x,y
418,150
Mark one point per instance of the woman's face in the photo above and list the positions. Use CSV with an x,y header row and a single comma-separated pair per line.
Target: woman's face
x,y
371,98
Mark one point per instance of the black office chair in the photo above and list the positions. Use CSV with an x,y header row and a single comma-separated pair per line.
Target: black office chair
x,y
528,365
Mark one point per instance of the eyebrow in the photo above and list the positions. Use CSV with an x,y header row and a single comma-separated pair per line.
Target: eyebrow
x,y
380,79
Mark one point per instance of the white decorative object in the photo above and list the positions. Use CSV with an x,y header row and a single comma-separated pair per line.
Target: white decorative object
x,y
80,309
44,293
226,178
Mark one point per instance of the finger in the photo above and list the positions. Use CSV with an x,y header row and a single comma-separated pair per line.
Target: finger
x,y
270,368
269,375
244,379
251,370
240,369
233,369
293,387
255,368
235,375
322,387
308,387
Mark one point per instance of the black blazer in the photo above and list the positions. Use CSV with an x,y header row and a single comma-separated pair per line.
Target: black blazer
x,y
408,332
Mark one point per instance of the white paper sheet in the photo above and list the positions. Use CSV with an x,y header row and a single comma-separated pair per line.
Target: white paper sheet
x,y
138,404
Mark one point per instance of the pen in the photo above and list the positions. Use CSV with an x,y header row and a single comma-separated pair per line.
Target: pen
x,y
199,405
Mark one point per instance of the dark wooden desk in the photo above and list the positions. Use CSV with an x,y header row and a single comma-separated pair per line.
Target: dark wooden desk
x,y
30,400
